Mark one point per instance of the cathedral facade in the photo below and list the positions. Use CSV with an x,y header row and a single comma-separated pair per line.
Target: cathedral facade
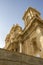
x,y
30,39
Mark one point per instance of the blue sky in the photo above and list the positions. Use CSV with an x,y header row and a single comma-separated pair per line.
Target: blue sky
x,y
11,12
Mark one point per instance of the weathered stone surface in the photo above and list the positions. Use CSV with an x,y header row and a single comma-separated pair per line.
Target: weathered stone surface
x,y
12,58
30,39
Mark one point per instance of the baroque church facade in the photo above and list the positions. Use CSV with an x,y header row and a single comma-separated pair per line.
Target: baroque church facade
x,y
30,39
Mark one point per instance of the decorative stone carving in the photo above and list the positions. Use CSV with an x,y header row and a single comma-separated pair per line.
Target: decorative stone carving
x,y
27,41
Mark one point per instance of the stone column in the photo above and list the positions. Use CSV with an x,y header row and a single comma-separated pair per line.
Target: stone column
x,y
39,34
20,46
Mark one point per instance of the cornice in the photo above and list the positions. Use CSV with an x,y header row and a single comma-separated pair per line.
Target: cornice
x,y
31,22
26,32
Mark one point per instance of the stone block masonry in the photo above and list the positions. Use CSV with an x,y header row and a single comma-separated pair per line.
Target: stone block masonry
x,y
13,58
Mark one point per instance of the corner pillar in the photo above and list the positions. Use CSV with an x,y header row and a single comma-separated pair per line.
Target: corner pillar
x,y
20,46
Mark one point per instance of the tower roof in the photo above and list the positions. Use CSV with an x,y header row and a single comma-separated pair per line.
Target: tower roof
x,y
32,9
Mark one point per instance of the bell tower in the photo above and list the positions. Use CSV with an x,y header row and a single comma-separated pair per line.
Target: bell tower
x,y
29,15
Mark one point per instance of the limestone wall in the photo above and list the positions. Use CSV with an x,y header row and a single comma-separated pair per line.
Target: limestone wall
x,y
11,58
